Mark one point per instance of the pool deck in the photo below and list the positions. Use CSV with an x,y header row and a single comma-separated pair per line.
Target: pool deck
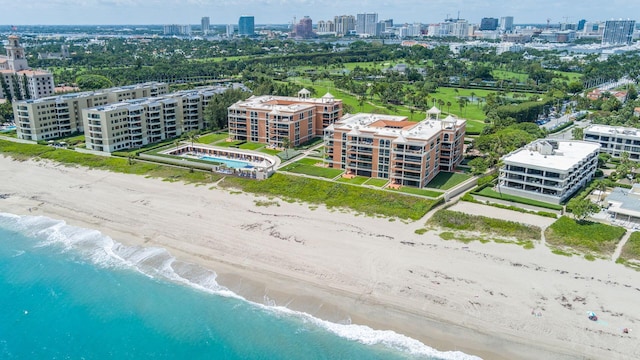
x,y
273,161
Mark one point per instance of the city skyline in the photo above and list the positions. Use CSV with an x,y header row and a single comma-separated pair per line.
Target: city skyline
x,y
133,12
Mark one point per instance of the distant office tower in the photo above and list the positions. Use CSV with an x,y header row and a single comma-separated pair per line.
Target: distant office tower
x,y
488,24
304,29
366,24
506,23
618,32
344,24
174,29
205,25
581,24
246,26
388,23
230,30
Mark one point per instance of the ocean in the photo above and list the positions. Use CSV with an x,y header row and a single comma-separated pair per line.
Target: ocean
x,y
73,293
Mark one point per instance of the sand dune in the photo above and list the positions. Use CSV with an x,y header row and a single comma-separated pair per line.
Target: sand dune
x,y
496,301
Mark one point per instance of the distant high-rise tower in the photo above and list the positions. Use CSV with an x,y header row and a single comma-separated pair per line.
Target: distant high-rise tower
x,y
344,24
230,30
488,24
246,26
204,22
304,29
506,23
581,24
366,24
618,32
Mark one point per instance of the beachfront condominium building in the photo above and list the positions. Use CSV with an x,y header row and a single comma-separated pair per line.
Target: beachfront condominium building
x,y
272,119
246,26
138,122
548,170
344,24
205,24
618,32
366,24
615,140
390,147
17,80
58,116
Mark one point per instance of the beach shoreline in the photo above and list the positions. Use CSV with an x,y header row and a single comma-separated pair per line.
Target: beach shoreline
x,y
334,265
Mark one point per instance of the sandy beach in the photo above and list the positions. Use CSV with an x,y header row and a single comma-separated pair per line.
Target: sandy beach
x,y
496,301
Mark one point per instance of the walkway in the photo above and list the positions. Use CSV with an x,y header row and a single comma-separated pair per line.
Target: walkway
x,y
623,241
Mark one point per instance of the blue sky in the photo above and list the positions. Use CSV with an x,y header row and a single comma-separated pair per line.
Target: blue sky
x,y
48,12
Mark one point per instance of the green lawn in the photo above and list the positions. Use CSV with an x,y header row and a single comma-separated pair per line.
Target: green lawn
x,y
584,235
358,180
72,140
211,138
377,182
447,180
475,127
418,191
240,145
509,75
251,146
572,76
307,166
269,151
460,221
488,192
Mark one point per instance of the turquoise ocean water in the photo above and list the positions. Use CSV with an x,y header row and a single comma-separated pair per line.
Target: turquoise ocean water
x,y
72,293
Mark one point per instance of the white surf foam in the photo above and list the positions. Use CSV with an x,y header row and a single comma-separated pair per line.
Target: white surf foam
x,y
156,262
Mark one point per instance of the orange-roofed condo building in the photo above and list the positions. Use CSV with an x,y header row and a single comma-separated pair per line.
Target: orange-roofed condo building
x,y
272,119
391,147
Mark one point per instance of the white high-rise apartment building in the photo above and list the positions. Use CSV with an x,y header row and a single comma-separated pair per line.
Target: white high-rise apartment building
x,y
366,24
506,23
205,24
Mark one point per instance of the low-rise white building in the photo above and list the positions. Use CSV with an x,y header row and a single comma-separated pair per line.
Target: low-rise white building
x,y
548,170
614,140
624,204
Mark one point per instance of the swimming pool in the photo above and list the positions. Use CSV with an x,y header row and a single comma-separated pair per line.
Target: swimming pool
x,y
236,164
8,128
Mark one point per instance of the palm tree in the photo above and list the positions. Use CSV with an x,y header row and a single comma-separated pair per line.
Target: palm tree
x,y
192,136
286,144
473,94
448,106
601,187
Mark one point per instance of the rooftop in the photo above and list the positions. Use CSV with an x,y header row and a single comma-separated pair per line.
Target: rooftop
x,y
283,103
560,155
607,129
625,201
394,126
